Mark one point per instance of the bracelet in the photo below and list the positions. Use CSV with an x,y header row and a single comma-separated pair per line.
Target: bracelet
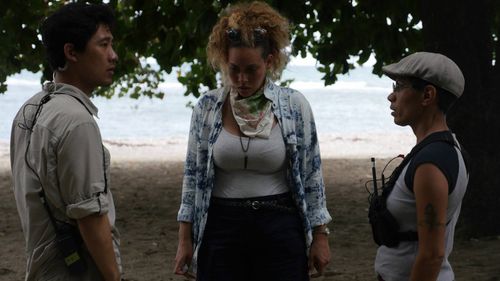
x,y
324,230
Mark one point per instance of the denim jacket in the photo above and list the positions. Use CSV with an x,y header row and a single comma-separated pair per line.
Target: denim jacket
x,y
305,178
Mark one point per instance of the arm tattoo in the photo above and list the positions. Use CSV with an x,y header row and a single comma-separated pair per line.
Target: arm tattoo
x,y
430,218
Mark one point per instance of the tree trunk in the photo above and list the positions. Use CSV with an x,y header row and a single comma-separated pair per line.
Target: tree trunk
x,y
461,30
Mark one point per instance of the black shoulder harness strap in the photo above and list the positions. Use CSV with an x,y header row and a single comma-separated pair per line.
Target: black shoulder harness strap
x,y
447,138
387,189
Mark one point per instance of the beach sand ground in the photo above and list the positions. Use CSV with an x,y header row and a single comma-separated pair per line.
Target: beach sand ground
x,y
147,194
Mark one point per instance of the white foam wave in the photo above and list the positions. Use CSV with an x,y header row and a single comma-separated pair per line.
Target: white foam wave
x,y
22,82
339,85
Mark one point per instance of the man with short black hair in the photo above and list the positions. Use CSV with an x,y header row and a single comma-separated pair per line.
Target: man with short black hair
x,y
427,191
60,168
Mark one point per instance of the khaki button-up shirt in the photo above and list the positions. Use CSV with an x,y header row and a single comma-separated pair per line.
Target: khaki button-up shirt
x,y
64,148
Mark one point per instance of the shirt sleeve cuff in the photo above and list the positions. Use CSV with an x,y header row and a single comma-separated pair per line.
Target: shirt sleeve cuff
x,y
320,218
185,213
96,205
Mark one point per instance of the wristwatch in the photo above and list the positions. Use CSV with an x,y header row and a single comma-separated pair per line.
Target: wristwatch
x,y
322,230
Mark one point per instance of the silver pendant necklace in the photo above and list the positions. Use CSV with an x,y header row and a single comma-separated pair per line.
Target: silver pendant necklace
x,y
245,149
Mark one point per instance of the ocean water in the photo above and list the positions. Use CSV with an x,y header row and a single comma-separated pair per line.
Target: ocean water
x,y
355,105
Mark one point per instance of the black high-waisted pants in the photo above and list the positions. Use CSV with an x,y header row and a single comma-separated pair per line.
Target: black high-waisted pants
x,y
244,244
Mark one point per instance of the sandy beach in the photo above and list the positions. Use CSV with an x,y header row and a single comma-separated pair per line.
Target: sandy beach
x,y
146,184
352,146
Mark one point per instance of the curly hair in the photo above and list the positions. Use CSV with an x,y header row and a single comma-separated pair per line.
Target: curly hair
x,y
245,19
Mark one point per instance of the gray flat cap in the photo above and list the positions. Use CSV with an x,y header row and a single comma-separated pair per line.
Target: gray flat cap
x,y
431,67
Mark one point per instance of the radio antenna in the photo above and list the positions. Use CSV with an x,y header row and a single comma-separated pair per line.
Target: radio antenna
x,y
374,175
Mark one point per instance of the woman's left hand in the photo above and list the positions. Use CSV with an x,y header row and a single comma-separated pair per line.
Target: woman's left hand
x,y
319,255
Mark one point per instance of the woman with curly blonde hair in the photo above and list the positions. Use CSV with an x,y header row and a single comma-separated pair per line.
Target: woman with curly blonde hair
x,y
253,204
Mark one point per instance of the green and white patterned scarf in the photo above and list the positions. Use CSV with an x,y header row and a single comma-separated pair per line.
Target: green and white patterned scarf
x,y
253,114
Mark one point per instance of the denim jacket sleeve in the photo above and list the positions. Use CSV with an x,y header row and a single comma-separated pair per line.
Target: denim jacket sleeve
x,y
305,173
198,174
186,210
312,174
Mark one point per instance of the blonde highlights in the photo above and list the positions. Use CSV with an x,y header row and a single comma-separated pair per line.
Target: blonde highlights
x,y
246,19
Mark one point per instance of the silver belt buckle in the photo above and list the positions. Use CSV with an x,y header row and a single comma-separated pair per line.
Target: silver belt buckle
x,y
255,205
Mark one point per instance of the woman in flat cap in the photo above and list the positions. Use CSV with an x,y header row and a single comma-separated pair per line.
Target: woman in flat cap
x,y
424,194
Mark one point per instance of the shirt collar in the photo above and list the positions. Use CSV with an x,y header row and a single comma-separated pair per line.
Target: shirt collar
x,y
67,89
270,90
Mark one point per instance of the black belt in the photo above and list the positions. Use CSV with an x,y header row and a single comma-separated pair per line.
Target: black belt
x,y
280,202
